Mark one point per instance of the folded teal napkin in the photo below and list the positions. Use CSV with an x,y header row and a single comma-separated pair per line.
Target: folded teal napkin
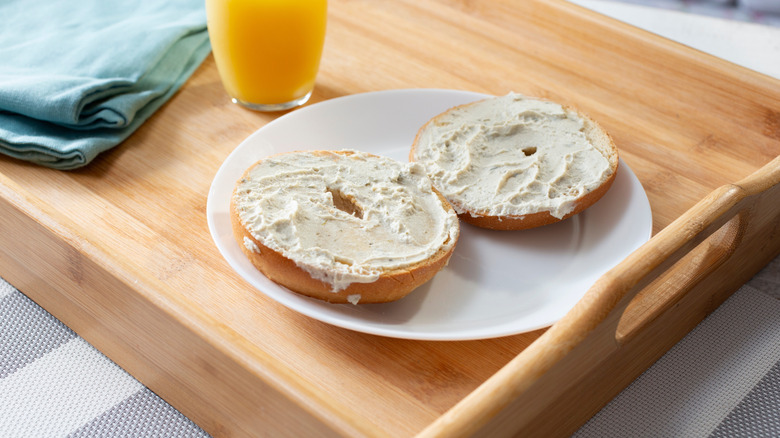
x,y
78,77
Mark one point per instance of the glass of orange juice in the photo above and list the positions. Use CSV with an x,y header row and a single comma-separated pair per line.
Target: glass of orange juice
x,y
267,51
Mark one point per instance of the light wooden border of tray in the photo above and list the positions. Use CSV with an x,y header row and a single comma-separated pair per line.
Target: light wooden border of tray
x,y
666,286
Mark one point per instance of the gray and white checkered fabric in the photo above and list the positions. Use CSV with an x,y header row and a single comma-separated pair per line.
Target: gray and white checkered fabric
x,y
54,384
721,380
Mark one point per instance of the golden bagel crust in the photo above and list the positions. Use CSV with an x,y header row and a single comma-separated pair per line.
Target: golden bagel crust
x,y
390,286
601,139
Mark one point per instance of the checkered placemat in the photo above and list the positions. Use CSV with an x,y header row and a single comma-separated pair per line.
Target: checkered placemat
x,y
55,384
723,379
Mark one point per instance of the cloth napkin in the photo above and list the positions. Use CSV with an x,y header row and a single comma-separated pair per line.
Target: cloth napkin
x,y
78,77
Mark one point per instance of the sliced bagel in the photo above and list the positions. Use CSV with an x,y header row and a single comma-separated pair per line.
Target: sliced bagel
x,y
343,226
514,162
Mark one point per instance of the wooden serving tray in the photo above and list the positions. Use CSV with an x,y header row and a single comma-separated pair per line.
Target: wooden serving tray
x,y
120,251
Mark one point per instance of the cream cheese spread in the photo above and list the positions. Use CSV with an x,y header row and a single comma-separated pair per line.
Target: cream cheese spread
x,y
251,246
346,217
511,156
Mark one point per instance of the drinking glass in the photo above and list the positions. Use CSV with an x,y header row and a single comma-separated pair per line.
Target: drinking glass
x,y
267,51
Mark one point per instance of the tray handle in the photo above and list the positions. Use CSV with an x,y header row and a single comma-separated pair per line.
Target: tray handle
x,y
653,278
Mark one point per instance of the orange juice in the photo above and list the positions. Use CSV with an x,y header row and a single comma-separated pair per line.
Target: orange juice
x,y
267,51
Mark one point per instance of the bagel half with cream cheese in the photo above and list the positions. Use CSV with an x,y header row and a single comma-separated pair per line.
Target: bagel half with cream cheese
x,y
343,226
514,162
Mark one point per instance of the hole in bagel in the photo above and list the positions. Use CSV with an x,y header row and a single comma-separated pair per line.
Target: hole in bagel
x,y
530,150
346,203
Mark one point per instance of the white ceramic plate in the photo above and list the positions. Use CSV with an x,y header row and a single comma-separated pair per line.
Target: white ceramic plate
x,y
497,283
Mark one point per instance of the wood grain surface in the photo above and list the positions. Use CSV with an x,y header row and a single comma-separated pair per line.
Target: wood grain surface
x,y
121,253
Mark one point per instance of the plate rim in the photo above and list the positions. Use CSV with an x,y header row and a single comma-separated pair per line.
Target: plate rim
x,y
387,330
